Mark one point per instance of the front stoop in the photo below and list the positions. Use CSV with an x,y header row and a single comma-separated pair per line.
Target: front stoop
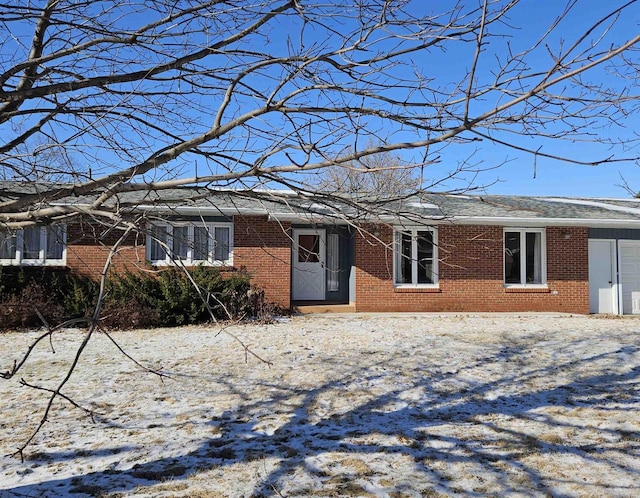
x,y
325,308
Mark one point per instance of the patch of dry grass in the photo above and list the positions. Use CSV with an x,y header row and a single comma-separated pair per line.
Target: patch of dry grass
x,y
404,406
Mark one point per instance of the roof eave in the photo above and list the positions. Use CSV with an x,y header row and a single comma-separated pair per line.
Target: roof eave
x,y
317,218
516,221
545,222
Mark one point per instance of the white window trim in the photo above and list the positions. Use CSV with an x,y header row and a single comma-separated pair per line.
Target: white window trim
x,y
414,250
41,260
189,261
523,261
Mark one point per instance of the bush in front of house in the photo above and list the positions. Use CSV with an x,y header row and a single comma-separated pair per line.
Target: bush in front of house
x,y
132,299
231,297
172,297
184,300
30,294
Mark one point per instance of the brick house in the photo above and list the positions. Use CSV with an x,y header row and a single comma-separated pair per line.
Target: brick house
x,y
435,252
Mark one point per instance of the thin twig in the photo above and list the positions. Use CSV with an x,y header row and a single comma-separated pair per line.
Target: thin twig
x,y
88,411
128,356
17,365
55,393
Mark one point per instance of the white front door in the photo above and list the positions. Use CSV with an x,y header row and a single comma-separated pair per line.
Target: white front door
x,y
602,282
309,254
630,275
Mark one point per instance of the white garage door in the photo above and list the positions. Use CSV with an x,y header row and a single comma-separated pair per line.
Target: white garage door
x,y
629,272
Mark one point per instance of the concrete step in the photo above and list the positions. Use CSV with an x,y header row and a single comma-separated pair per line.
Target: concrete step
x,y
325,308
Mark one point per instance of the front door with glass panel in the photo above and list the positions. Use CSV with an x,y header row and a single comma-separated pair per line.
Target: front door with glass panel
x,y
309,253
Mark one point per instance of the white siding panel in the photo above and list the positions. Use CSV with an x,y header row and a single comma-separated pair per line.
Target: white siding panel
x,y
629,272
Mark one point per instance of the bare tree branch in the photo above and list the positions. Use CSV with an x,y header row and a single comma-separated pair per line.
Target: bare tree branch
x,y
102,102
57,392
137,96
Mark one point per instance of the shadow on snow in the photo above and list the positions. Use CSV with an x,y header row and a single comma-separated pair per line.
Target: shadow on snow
x,y
393,423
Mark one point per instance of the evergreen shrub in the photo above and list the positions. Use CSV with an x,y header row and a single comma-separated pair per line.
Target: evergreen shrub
x,y
132,299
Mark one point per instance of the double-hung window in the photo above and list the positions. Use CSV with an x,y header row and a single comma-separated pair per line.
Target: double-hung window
x,y
415,257
34,246
525,257
190,243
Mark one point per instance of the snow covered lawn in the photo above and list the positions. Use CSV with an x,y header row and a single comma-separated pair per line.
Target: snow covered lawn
x,y
364,405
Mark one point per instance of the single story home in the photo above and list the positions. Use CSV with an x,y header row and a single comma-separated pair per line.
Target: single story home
x,y
428,252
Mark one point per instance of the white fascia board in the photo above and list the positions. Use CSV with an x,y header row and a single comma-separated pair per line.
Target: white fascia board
x,y
309,218
202,210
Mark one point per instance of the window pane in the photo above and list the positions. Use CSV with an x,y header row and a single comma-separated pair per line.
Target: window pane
x,y
308,248
200,243
180,242
512,258
31,243
425,257
397,254
534,258
222,243
7,245
159,236
333,262
404,259
55,241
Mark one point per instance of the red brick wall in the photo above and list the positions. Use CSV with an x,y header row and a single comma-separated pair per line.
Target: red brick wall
x,y
471,270
470,267
263,247
88,248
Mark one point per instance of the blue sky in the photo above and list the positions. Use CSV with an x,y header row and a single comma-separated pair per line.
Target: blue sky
x,y
508,171
557,178
522,174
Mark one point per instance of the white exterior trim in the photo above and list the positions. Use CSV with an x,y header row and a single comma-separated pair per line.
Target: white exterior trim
x,y
614,264
189,260
313,273
42,259
414,250
543,258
